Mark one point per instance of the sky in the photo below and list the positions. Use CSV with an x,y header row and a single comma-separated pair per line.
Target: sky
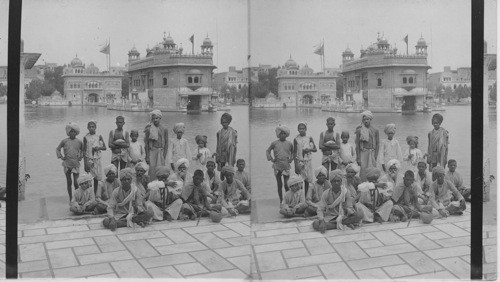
x,y
60,29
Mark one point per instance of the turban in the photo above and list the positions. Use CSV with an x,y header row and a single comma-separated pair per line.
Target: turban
x,y
74,126
295,179
179,127
155,113
162,170
353,166
336,174
127,172
320,169
412,138
156,185
392,162
181,161
109,168
282,128
84,177
438,170
372,172
438,117
210,159
142,165
422,160
226,116
92,121
390,128
202,138
227,168
367,114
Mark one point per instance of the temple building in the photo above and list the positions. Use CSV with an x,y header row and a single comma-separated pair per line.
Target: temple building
x,y
87,85
170,79
302,86
383,80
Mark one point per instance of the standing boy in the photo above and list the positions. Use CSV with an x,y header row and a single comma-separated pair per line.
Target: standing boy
x,y
329,144
118,143
227,139
178,148
282,150
367,144
437,151
136,152
156,143
93,144
73,154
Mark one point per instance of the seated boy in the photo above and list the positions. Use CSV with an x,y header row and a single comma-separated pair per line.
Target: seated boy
x,y
455,177
424,180
441,192
83,199
212,178
373,192
316,190
405,199
196,196
105,189
335,209
232,194
173,203
294,202
242,175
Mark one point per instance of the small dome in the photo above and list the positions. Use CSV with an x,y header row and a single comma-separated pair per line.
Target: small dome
x,y
169,40
383,41
76,62
133,50
347,52
306,69
290,63
421,42
194,71
207,41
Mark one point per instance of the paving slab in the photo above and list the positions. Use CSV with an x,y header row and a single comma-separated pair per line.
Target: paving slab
x,y
141,249
318,246
31,252
457,266
397,271
420,262
292,274
337,270
60,258
349,251
313,260
270,261
129,269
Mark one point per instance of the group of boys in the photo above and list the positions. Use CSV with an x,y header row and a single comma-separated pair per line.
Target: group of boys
x,y
352,191
130,195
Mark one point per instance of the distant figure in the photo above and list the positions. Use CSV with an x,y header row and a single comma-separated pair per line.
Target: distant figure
x,y
118,143
136,151
367,144
303,147
437,152
227,140
329,144
178,147
156,143
389,148
202,153
73,154
412,155
242,175
282,151
93,144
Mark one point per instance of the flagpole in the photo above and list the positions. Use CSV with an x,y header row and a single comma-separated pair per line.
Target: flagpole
x,y
407,45
109,55
323,56
192,46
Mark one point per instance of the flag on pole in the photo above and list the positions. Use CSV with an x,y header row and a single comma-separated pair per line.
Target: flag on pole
x,y
406,39
105,49
191,38
320,49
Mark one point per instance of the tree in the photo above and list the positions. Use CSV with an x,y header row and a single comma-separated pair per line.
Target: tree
x,y
55,79
273,81
448,93
493,92
3,90
243,93
125,86
439,90
258,90
462,92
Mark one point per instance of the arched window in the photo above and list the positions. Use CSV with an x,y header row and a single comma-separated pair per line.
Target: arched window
x,y
195,79
379,81
190,80
404,80
410,80
164,81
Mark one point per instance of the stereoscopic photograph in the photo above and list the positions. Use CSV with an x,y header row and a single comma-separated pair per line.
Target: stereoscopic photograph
x,y
249,139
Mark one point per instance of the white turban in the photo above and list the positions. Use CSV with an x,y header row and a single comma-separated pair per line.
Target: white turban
x,y
155,113
392,162
227,168
109,168
320,169
179,127
390,128
181,161
367,114
74,126
336,174
142,165
294,179
282,128
353,166
84,177
127,172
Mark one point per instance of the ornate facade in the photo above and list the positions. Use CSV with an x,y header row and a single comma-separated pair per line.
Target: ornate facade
x,y
302,86
171,79
87,85
383,80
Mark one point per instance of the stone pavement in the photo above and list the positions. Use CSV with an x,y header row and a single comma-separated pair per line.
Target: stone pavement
x,y
179,249
441,250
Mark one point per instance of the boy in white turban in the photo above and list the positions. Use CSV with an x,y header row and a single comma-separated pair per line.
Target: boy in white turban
x,y
367,144
375,198
155,143
441,192
411,155
178,147
73,154
83,199
282,151
389,148
313,195
294,202
232,194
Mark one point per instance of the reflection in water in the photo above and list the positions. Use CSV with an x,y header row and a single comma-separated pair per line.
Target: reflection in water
x,y
263,122
45,128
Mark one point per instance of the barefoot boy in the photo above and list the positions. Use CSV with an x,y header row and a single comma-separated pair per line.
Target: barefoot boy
x,y
437,151
367,144
73,154
242,175
282,151
329,144
83,199
136,152
93,144
294,203
156,143
118,143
